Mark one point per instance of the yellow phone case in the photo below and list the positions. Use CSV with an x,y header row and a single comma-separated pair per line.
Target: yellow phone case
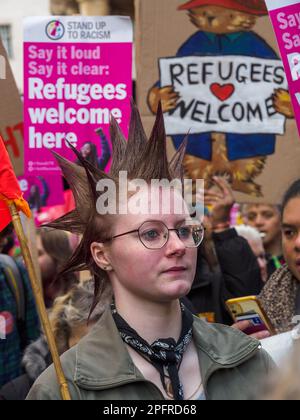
x,y
248,304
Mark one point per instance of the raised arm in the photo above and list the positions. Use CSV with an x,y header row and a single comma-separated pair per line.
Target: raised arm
x,y
105,150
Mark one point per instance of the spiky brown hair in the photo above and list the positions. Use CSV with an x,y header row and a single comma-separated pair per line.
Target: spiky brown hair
x,y
141,159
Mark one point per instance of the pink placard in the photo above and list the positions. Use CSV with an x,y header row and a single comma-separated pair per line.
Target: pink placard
x,y
42,191
78,72
285,16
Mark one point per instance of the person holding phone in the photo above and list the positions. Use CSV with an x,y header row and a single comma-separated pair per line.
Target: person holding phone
x,y
226,266
280,297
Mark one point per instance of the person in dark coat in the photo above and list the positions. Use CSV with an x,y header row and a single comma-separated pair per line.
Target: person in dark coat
x,y
226,267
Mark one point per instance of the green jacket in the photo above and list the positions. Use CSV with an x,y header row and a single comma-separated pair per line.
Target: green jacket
x,y
100,368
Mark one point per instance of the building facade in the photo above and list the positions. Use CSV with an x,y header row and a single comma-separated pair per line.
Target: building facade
x,y
11,29
13,11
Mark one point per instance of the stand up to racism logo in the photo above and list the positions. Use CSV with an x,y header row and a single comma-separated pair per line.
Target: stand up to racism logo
x,y
55,30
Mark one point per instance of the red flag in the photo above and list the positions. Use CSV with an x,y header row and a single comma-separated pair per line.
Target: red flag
x,y
10,191
5,217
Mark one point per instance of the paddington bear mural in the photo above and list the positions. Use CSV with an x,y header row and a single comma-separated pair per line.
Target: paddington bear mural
x,y
226,87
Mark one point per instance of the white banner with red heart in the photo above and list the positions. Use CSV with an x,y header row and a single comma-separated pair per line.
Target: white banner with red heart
x,y
228,94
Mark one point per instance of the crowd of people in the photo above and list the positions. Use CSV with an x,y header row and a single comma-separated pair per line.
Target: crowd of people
x,y
151,321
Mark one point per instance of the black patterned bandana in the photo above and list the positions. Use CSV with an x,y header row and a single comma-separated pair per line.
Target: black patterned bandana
x,y
164,354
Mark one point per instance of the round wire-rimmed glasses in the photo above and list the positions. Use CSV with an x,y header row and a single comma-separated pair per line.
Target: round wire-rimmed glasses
x,y
155,234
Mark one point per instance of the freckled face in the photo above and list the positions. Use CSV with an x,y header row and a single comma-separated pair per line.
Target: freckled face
x,y
159,275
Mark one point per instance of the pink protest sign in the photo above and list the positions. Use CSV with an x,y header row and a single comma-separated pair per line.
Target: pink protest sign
x,y
285,16
78,72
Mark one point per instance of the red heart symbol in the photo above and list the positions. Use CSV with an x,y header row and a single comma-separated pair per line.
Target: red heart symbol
x,y
222,92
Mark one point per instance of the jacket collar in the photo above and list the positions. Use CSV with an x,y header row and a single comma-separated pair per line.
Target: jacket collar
x,y
102,360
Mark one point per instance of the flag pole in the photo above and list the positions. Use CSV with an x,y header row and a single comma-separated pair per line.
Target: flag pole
x,y
39,301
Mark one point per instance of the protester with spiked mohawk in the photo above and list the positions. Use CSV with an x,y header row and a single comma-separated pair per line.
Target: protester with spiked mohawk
x,y
147,345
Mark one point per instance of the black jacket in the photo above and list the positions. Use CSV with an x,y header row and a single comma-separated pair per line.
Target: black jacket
x,y
238,275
